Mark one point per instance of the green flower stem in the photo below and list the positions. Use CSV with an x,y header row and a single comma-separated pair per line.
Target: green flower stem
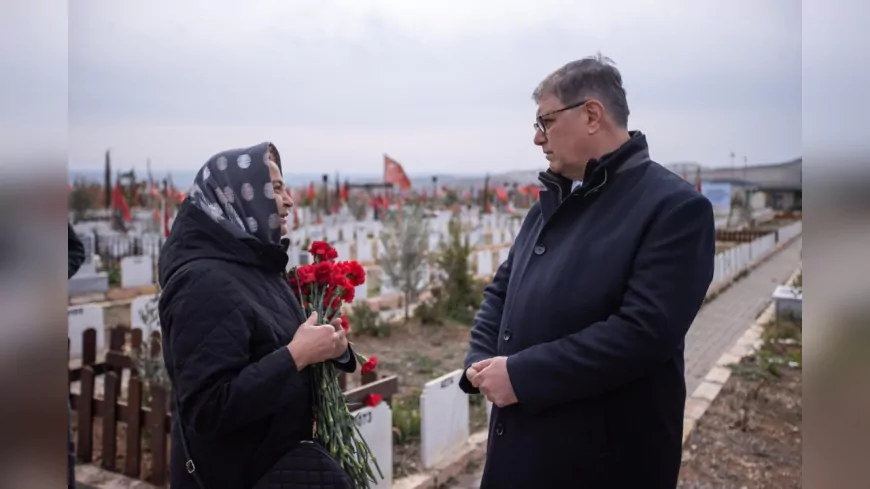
x,y
336,427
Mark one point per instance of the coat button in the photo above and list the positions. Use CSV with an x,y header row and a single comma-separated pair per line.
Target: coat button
x,y
540,249
507,334
499,429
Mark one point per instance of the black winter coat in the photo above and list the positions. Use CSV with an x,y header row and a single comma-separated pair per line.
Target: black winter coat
x,y
227,314
591,308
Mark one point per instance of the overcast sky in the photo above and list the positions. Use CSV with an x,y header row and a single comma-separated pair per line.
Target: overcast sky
x,y
443,87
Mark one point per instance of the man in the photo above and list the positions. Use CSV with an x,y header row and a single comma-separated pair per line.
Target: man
x,y
75,257
579,340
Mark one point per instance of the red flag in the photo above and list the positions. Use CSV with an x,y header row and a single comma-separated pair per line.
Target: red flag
x,y
344,192
311,191
119,202
395,174
501,193
165,220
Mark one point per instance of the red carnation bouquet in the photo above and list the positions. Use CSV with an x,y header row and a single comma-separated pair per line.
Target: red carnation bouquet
x,y
324,286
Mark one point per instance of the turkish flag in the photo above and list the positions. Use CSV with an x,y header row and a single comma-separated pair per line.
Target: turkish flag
x,y
119,202
395,174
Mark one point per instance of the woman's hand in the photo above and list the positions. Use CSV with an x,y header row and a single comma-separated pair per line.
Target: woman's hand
x,y
315,344
341,345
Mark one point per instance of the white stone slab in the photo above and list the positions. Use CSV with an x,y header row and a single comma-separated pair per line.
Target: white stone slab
x,y
80,318
434,240
484,263
89,266
376,427
136,271
443,418
361,292
488,412
364,249
332,235
343,250
292,256
503,254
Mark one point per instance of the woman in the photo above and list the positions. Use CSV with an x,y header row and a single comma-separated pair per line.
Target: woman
x,y
236,341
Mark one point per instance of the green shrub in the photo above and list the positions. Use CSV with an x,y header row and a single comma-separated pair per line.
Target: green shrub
x,y
365,321
406,419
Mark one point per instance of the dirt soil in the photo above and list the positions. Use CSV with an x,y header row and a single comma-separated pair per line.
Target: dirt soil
x,y
146,462
750,437
418,354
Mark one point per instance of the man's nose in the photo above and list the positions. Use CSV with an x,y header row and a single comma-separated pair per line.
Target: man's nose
x,y
540,138
288,201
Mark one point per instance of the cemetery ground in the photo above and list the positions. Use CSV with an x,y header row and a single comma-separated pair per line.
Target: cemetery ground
x,y
417,353
751,434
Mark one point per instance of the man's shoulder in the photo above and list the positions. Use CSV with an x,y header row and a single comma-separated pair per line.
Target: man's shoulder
x,y
669,188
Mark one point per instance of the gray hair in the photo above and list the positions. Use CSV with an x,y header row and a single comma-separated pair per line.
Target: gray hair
x,y
593,76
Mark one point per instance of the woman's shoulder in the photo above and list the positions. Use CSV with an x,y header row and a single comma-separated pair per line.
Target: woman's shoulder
x,y
206,278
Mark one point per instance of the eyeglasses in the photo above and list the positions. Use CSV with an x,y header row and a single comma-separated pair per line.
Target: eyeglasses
x,y
541,124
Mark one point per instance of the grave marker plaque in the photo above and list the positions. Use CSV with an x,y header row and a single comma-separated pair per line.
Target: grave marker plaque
x,y
376,427
80,318
443,418
136,271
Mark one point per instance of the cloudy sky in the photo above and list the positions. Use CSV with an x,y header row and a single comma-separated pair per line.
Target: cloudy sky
x,y
442,87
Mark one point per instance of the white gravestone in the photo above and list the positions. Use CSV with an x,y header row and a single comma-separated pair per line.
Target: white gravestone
x,y
137,271
503,254
343,250
434,240
88,267
361,292
80,318
488,412
484,263
331,235
443,418
376,427
292,256
364,249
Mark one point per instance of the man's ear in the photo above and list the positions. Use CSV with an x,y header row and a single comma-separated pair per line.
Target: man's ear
x,y
594,111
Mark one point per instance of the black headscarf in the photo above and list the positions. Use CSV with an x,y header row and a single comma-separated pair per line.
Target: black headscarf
x,y
234,188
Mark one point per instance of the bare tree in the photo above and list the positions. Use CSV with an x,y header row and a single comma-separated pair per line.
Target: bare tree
x,y
148,361
404,257
80,199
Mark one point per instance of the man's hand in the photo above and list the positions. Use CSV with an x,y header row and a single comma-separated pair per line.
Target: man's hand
x,y
491,377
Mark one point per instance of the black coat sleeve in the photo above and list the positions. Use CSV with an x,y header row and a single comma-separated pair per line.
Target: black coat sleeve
x,y
484,333
671,273
75,252
349,364
218,387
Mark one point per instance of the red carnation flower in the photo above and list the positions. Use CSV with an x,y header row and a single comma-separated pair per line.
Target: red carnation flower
x,y
369,365
354,272
345,323
322,251
323,272
305,274
373,400
348,294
